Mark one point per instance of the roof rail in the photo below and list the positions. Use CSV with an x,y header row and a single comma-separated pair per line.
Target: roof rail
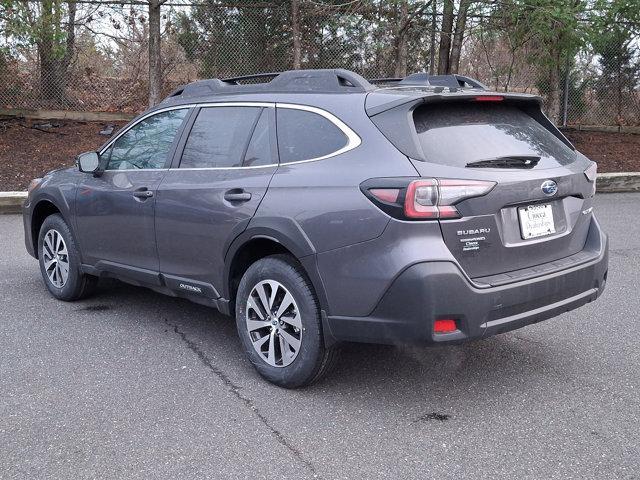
x,y
237,80
423,79
376,81
292,81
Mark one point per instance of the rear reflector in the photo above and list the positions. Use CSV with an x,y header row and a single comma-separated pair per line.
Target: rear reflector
x,y
389,195
444,326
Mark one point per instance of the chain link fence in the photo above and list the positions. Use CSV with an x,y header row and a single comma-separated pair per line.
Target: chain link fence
x,y
104,67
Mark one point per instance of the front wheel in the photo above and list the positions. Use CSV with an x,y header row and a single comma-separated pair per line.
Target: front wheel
x,y
60,261
278,320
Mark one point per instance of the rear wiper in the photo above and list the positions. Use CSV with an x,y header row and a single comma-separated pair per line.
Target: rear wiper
x,y
511,161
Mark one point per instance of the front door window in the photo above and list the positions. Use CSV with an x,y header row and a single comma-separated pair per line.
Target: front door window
x,y
148,144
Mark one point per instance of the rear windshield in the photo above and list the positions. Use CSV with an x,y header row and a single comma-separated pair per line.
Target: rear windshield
x,y
458,133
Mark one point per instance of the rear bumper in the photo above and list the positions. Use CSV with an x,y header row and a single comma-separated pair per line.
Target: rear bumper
x,y
428,291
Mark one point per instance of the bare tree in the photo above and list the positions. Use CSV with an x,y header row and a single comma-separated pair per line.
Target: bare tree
x,y
295,31
445,37
432,38
400,42
458,36
54,65
450,39
400,35
155,52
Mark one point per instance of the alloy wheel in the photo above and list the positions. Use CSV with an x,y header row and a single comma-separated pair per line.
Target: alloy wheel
x,y
56,258
274,323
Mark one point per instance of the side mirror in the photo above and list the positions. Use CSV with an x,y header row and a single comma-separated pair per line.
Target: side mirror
x,y
88,162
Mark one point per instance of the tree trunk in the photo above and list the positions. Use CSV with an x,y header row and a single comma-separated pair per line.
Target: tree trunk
x,y
445,38
553,97
54,64
432,40
71,34
155,59
295,30
458,36
401,41
48,77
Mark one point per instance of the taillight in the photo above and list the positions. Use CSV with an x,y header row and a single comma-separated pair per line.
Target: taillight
x,y
423,199
436,198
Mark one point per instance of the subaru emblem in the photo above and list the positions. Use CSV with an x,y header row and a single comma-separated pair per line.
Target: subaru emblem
x,y
549,188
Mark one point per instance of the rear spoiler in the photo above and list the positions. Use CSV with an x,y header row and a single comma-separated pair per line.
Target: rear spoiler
x,y
391,110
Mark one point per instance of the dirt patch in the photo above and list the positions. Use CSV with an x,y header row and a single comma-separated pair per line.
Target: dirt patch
x,y
614,152
30,149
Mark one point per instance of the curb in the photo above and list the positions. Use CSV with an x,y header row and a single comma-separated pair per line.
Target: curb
x,y
11,202
618,182
67,115
602,128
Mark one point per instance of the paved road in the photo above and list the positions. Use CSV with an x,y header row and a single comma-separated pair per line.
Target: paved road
x,y
131,384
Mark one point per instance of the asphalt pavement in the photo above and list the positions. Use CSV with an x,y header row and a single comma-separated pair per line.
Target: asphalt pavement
x,y
132,384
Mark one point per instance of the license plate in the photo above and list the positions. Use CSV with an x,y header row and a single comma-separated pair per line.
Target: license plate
x,y
536,221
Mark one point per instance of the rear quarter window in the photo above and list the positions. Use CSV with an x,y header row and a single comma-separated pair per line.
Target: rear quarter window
x,y
455,134
304,135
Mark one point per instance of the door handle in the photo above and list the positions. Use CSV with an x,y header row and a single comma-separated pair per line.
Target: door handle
x,y
237,195
142,193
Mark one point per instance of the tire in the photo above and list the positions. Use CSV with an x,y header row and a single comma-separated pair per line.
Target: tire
x,y
57,247
296,367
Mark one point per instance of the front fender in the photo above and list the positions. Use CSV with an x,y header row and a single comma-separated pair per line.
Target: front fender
x,y
57,188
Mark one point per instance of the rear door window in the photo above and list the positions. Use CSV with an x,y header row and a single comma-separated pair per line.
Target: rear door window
x,y
456,134
304,135
219,136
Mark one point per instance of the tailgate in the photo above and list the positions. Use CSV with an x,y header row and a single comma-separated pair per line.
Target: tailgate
x,y
540,208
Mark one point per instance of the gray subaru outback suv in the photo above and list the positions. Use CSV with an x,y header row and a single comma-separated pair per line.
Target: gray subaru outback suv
x,y
317,208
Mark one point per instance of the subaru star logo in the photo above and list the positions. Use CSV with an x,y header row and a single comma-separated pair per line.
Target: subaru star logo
x,y
549,188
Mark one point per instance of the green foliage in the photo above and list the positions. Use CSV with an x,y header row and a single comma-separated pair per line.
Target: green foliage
x,y
554,27
232,41
614,39
618,59
28,24
226,41
576,105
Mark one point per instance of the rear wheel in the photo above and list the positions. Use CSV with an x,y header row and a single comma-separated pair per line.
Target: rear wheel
x,y
278,320
60,261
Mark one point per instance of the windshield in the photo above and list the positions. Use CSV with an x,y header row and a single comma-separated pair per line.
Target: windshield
x,y
457,134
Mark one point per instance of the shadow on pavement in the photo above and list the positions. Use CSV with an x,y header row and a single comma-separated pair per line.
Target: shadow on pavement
x,y
481,371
